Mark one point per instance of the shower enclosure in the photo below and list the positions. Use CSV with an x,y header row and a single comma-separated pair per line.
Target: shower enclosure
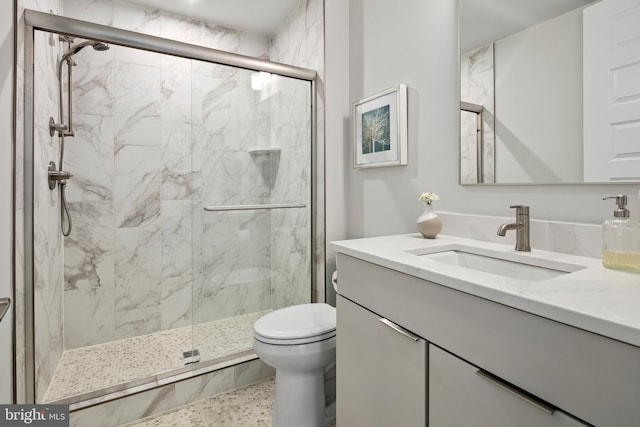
x,y
477,119
471,133
188,176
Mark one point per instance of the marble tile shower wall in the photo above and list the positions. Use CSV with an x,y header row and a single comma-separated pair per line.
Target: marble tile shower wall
x,y
299,41
129,261
19,259
233,266
291,249
48,244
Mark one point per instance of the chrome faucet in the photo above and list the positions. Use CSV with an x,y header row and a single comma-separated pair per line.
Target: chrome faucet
x,y
521,226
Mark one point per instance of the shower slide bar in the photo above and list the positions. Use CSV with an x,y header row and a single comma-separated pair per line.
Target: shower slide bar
x,y
254,207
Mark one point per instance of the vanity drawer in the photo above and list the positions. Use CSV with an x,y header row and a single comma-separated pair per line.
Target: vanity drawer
x,y
589,376
462,395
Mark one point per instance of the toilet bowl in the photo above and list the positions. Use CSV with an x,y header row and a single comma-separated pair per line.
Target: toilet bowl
x,y
300,343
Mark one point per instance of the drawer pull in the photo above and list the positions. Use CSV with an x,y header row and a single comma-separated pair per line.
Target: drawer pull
x,y
532,400
400,329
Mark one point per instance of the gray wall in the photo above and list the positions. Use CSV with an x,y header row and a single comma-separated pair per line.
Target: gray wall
x,y
337,127
539,102
420,51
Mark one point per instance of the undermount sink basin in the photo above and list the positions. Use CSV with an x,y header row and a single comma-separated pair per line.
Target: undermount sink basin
x,y
502,264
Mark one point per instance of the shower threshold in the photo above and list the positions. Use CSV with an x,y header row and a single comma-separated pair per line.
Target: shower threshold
x,y
89,372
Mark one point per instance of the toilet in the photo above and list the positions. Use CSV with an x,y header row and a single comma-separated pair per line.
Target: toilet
x,y
300,343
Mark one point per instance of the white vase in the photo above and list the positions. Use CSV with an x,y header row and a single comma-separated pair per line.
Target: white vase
x,y
429,224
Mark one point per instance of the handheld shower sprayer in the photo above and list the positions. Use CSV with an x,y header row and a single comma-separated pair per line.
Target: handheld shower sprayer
x,y
59,176
62,128
97,46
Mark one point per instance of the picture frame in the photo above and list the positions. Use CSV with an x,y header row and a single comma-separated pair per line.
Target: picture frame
x,y
380,129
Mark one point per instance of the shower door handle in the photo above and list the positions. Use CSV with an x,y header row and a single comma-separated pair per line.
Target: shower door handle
x,y
4,306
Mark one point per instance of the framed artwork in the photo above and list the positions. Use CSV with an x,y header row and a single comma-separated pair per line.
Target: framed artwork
x,y
380,129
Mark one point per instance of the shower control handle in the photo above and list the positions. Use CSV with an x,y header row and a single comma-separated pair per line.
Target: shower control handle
x,y
56,176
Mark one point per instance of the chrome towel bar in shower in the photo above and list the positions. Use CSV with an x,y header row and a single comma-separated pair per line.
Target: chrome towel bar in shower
x,y
254,207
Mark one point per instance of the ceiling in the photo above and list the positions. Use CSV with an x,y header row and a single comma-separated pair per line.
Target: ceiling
x,y
484,21
261,16
481,21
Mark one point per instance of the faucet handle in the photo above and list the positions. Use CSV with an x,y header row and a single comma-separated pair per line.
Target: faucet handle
x,y
521,209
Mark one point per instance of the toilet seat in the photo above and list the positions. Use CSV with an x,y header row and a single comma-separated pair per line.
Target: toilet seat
x,y
298,324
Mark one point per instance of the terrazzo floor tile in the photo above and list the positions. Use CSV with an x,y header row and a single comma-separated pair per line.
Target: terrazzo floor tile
x,y
87,369
249,406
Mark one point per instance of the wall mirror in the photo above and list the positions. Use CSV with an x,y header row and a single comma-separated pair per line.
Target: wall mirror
x,y
550,91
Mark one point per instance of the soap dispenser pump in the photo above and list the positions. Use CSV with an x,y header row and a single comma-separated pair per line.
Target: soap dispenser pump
x,y
621,239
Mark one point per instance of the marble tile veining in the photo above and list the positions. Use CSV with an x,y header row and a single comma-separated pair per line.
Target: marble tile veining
x,y
137,181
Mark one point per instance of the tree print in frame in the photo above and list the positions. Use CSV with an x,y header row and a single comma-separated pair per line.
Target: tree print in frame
x,y
380,129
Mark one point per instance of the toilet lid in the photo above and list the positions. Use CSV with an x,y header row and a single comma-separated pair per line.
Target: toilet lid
x,y
297,321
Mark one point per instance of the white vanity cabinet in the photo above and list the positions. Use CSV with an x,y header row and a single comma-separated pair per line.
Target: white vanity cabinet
x,y
460,394
586,377
381,371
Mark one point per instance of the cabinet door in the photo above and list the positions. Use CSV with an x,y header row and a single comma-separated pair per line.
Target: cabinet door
x,y
381,371
461,395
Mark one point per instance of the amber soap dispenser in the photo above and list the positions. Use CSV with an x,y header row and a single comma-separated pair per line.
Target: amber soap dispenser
x,y
621,239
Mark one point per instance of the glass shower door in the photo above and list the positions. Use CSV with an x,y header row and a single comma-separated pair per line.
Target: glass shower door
x,y
252,202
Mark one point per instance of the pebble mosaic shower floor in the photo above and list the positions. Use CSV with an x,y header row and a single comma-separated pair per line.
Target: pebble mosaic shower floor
x,y
96,367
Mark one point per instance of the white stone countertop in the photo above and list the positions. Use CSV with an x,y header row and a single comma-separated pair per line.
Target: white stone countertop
x,y
594,298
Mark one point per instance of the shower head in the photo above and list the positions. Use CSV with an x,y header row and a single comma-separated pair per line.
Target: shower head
x,y
99,46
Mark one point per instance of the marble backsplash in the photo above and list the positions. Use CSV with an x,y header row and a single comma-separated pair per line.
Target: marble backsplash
x,y
564,237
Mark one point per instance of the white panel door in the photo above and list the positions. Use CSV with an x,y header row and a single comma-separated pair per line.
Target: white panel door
x,y
6,205
612,91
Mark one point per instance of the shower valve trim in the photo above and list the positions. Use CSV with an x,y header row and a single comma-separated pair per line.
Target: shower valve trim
x,y
56,127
